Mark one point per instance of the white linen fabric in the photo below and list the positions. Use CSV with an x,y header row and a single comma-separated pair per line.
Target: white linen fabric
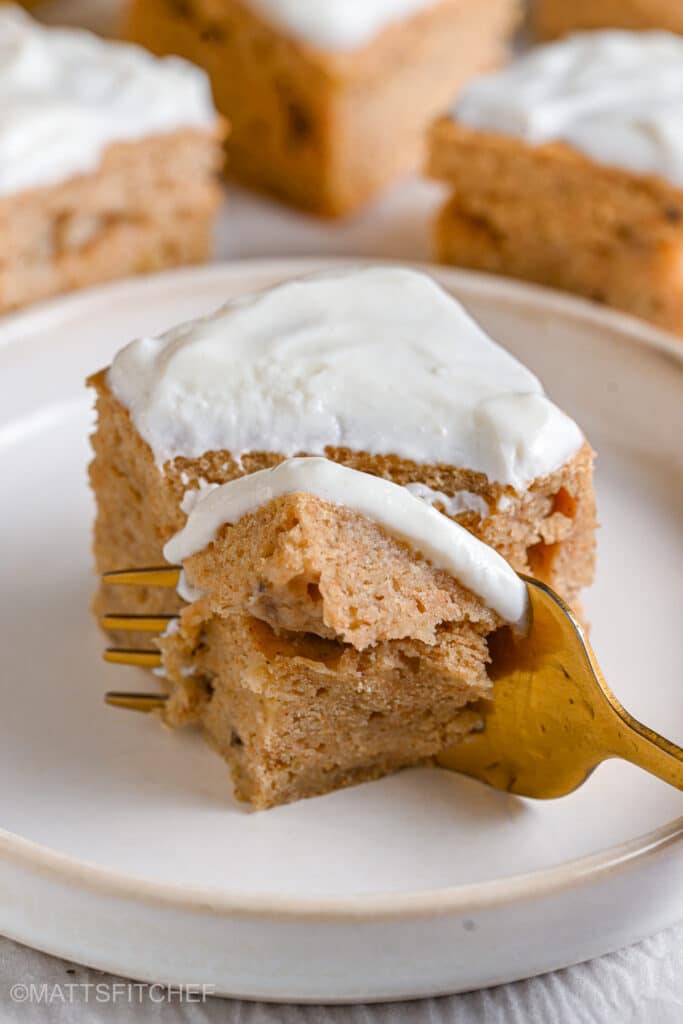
x,y
639,985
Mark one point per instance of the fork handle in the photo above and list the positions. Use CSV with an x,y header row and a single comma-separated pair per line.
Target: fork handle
x,y
645,748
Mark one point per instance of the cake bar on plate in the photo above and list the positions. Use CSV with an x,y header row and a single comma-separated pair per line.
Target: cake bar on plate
x,y
349,471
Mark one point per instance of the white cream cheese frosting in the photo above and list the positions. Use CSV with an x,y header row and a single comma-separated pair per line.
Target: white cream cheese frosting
x,y
336,24
66,95
446,544
454,504
374,359
615,96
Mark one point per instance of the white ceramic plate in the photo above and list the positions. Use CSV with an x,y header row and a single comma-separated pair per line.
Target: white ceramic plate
x,y
123,847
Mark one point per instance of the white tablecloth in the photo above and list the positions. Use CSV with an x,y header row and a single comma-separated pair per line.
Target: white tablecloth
x,y
639,985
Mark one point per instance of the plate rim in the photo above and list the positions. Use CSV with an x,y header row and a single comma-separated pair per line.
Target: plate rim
x,y
474,896
446,900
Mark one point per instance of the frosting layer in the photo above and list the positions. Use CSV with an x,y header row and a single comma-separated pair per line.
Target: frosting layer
x,y
336,24
454,504
65,95
377,359
446,544
615,96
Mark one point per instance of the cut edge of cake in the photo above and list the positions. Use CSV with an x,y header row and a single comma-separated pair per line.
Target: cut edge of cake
x,y
323,651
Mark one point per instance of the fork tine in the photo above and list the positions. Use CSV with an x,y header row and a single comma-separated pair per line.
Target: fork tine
x,y
135,701
133,656
162,576
137,623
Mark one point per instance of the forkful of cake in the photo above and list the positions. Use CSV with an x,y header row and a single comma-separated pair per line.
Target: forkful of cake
x,y
551,718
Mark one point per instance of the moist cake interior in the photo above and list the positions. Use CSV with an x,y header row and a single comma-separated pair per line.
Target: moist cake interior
x,y
322,652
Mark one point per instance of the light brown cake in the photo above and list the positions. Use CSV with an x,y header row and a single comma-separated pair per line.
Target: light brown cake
x,y
117,196
547,209
322,652
549,215
295,706
322,649
553,18
327,129
547,531
150,205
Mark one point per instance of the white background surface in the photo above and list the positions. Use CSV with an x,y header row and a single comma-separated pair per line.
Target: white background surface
x,y
642,984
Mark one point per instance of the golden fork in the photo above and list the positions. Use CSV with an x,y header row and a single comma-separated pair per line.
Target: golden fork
x,y
164,576
551,721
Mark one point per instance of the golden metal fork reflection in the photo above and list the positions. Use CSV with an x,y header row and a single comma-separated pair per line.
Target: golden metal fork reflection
x,y
162,576
552,718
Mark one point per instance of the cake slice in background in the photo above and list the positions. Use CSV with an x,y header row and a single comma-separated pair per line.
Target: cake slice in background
x,y
108,160
553,18
304,597
328,101
566,169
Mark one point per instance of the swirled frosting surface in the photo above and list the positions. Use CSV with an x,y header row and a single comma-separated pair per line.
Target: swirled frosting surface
x,y
615,96
66,95
375,359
